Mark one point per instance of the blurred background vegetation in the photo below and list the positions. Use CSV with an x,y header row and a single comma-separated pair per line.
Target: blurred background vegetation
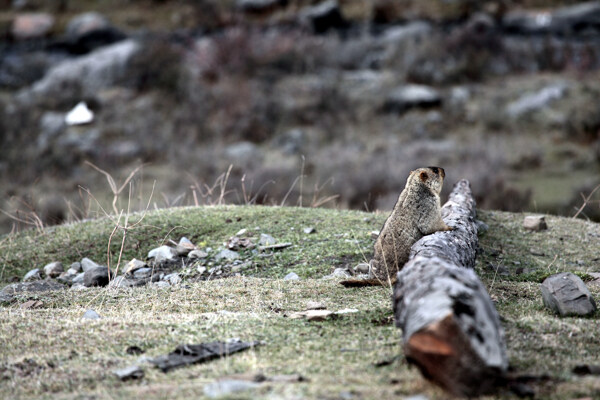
x,y
300,102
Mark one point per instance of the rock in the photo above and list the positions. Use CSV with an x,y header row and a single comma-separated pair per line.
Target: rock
x,y
530,102
243,152
90,314
201,269
143,273
315,305
346,311
87,264
195,254
131,372
78,286
241,232
228,387
33,275
318,315
76,266
411,96
31,304
82,77
161,285
308,230
54,269
227,254
162,253
566,294
277,246
535,223
341,273
134,265
241,267
8,292
184,247
292,276
121,281
173,279
31,26
324,16
79,115
96,277
362,268
78,279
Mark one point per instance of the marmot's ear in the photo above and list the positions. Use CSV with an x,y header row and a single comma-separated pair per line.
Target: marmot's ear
x,y
423,176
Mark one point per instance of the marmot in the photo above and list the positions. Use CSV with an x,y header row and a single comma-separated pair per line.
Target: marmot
x,y
417,213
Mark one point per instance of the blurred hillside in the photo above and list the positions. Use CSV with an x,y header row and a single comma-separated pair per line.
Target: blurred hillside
x,y
304,102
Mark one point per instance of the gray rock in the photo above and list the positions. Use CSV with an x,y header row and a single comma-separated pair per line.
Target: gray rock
x,y
78,279
131,372
173,279
292,276
530,102
160,285
87,264
195,254
566,294
52,124
341,273
227,387
76,266
308,230
121,281
31,26
535,223
184,247
266,240
54,269
143,273
78,286
243,152
33,275
226,254
134,265
411,96
96,277
90,314
315,305
362,268
162,253
201,269
241,267
8,292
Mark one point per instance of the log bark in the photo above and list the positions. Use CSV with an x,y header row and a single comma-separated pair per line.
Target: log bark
x,y
451,329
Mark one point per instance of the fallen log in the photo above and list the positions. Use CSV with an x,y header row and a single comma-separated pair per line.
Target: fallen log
x,y
451,329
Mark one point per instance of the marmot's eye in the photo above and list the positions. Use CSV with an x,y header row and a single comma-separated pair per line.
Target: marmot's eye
x,y
435,170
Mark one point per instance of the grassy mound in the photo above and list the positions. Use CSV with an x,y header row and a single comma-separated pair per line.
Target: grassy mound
x,y
50,351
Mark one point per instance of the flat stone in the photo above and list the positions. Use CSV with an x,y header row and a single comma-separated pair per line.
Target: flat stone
x,y
162,253
121,281
228,387
277,246
90,314
535,223
184,247
96,277
292,276
341,273
76,266
566,294
173,279
309,229
241,232
241,267
78,278
266,240
195,254
161,285
131,372
134,265
315,305
8,292
87,264
54,269
33,275
227,255
318,315
412,96
78,286
143,273
362,268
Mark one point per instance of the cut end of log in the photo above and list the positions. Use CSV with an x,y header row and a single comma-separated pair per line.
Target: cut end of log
x,y
444,356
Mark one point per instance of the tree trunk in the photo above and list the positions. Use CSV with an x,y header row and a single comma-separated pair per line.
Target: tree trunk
x,y
451,329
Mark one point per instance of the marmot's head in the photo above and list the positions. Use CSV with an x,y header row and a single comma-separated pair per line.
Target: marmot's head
x,y
432,177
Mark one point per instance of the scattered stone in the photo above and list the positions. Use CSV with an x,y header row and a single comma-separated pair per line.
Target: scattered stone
x,y
98,276
277,246
266,240
227,387
78,278
76,266
406,97
31,26
341,273
87,264
237,243
161,285
173,279
566,294
162,253
134,265
362,268
31,304
292,276
142,273
241,232
54,269
8,292
530,102
90,314
535,223
186,354
195,254
227,254
315,305
308,230
201,269
184,247
121,281
67,276
33,275
79,115
131,372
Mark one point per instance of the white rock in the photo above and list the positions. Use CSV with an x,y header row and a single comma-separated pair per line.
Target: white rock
x,y
90,314
134,265
54,269
80,115
292,276
87,264
162,253
194,254
33,275
173,279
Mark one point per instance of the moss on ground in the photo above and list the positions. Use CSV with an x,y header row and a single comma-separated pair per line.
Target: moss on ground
x,y
50,352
